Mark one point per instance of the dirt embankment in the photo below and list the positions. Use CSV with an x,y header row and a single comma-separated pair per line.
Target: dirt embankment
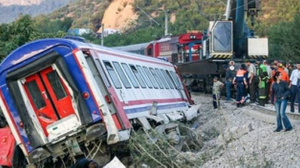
x,y
119,15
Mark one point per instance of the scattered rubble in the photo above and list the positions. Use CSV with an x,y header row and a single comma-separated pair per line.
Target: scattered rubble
x,y
244,140
230,138
234,133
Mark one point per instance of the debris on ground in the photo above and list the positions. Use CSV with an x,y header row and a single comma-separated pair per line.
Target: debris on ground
x,y
115,163
227,138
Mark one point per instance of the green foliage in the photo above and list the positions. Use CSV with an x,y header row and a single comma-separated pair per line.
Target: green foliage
x,y
24,30
145,30
85,13
15,34
132,36
284,40
46,25
155,150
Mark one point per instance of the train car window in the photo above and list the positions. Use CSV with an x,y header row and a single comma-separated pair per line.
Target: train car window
x,y
36,94
149,51
155,85
157,78
167,78
122,75
148,82
171,78
56,84
112,74
130,75
102,74
176,79
96,72
138,76
160,75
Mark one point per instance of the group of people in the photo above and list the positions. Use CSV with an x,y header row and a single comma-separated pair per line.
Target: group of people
x,y
263,82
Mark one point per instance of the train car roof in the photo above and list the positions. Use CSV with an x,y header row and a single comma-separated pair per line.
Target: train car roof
x,y
33,48
132,47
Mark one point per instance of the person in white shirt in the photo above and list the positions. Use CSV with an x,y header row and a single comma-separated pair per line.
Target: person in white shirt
x,y
294,86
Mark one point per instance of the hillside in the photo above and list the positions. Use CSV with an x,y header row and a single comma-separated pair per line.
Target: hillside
x,y
125,14
19,2
132,18
274,12
85,13
184,14
10,10
119,15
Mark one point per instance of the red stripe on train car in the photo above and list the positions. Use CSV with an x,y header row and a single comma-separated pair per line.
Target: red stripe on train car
x,y
117,122
140,102
119,105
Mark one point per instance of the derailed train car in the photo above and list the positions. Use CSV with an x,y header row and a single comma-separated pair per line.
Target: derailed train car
x,y
59,97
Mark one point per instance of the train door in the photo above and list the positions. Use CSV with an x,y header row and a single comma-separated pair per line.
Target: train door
x,y
48,96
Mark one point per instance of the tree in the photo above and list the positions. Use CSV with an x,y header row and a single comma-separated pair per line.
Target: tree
x,y
15,34
284,40
24,30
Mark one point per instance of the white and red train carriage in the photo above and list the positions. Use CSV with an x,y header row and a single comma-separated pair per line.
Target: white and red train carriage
x,y
58,95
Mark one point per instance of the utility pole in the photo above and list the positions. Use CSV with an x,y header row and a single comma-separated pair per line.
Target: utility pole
x,y
166,22
102,35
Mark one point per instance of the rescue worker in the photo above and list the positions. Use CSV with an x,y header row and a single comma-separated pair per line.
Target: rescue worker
x,y
268,84
230,73
284,74
263,78
240,81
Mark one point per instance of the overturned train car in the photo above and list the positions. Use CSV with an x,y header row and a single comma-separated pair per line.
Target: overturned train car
x,y
60,96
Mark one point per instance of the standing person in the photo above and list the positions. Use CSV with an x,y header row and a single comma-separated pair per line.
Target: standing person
x,y
280,93
293,86
230,73
274,69
285,76
217,92
241,83
268,83
284,66
263,79
291,68
251,76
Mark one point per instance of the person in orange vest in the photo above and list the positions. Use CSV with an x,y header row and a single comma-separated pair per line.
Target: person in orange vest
x,y
241,83
285,76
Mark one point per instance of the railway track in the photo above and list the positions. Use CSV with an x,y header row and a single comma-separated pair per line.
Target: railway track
x,y
268,114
